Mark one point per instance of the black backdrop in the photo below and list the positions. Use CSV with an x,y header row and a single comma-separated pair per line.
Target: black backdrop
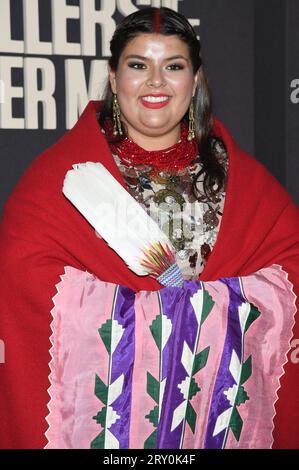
x,y
53,59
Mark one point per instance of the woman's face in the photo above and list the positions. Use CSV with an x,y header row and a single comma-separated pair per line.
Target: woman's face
x,y
154,83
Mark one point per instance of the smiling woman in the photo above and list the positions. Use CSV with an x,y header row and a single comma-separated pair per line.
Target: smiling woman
x,y
160,77
176,330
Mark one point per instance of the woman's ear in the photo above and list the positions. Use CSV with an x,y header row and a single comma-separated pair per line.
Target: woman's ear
x,y
112,79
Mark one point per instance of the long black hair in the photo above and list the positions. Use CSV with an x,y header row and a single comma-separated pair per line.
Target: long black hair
x,y
173,23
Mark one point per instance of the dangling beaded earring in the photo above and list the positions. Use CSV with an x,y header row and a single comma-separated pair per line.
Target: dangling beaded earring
x,y
191,133
116,121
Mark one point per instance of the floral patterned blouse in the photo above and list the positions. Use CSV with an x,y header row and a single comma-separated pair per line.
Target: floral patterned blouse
x,y
191,225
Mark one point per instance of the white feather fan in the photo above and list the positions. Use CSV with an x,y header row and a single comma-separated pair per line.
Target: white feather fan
x,y
122,222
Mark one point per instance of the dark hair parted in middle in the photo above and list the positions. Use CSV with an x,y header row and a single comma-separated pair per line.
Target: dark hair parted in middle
x,y
144,21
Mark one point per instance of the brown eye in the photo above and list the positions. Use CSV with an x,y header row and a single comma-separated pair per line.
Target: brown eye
x,y
136,65
176,66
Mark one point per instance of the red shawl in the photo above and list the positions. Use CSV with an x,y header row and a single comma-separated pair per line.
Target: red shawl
x,y
41,232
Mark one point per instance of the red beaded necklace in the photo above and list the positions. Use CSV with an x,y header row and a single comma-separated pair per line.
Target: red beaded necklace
x,y
171,159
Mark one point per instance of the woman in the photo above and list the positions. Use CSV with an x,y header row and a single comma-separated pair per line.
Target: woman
x,y
133,363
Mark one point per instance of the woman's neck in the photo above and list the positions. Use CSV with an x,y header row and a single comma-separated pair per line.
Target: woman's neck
x,y
172,158
158,142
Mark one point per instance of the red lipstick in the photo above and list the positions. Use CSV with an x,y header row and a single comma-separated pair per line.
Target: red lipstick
x,y
155,105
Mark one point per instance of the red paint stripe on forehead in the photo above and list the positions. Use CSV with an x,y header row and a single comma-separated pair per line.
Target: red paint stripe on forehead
x,y
157,21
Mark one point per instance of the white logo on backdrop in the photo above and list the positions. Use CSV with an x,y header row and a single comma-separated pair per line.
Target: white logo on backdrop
x,y
295,93
33,57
